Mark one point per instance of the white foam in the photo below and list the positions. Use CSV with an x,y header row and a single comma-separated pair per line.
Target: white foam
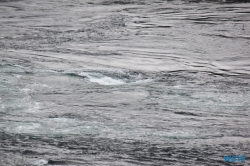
x,y
178,86
101,79
40,162
106,81
143,81
28,128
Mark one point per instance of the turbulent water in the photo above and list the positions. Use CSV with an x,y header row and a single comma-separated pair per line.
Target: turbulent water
x,y
124,82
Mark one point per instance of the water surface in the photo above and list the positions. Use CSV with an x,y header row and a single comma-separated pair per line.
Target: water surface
x,y
124,83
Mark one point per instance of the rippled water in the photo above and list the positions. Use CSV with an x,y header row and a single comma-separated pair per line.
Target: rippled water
x,y
126,82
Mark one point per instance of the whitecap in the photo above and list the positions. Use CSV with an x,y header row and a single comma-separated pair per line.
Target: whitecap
x,y
40,162
28,128
109,76
102,79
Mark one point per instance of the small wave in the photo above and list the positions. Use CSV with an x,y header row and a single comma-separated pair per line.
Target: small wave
x,y
110,77
20,127
40,162
102,79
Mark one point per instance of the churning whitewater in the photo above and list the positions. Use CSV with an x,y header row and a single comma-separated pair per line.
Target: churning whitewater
x,y
124,83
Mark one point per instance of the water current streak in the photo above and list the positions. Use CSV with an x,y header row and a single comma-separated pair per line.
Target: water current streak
x,y
124,82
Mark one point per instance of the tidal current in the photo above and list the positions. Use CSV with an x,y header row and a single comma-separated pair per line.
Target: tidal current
x,y
124,82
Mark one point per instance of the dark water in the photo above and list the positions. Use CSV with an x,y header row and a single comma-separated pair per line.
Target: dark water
x,y
124,83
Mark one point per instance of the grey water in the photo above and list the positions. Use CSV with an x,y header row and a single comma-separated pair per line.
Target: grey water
x,y
124,82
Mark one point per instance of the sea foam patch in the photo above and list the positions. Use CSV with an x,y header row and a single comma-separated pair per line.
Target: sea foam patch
x,y
40,162
109,76
102,79
21,127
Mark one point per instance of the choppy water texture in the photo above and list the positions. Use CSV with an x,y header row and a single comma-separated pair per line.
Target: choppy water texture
x,y
124,82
